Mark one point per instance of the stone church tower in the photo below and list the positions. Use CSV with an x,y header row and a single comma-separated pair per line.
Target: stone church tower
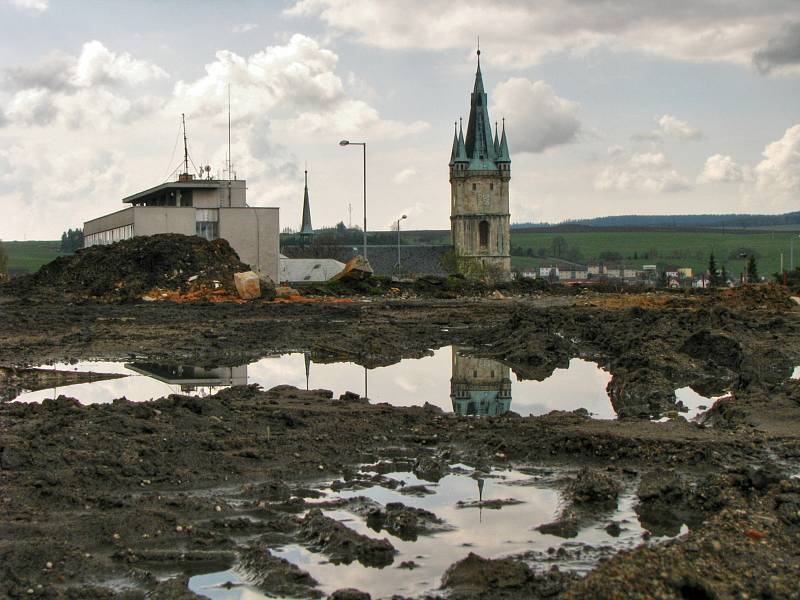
x,y
480,172
479,386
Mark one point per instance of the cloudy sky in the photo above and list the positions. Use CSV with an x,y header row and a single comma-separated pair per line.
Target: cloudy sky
x,y
611,106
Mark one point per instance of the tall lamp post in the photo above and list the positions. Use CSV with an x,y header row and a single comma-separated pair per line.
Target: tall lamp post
x,y
398,241
791,254
364,146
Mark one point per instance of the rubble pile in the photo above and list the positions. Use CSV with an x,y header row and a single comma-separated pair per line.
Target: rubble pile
x,y
130,269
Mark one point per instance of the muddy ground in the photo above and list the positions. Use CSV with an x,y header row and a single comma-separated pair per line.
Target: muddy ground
x,y
114,500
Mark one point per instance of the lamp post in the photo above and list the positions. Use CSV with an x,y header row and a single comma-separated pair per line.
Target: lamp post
x,y
791,254
398,241
364,146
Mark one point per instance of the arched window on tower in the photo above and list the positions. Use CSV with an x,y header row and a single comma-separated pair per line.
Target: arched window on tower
x,y
483,234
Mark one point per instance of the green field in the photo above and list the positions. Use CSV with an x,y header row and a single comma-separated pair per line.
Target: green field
x,y
31,255
668,248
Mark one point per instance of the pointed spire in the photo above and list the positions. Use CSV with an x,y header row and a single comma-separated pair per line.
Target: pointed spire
x,y
305,227
479,143
503,155
454,151
496,141
461,152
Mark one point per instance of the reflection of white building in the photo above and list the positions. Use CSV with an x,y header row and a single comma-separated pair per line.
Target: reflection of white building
x,y
190,378
479,386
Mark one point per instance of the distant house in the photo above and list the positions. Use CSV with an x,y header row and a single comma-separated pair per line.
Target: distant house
x,y
672,272
686,272
546,272
700,282
528,274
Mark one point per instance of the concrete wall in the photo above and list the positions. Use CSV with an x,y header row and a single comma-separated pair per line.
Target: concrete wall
x,y
255,235
112,221
217,198
149,220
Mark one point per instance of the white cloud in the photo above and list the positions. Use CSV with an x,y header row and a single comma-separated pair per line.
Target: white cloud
x,y
80,90
537,118
648,172
517,34
97,65
721,169
669,127
37,6
244,27
777,176
296,83
674,127
404,175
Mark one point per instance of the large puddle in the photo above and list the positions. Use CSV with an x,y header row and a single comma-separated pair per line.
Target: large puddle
x,y
449,378
491,533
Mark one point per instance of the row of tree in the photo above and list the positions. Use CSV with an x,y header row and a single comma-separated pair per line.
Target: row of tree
x,y
3,262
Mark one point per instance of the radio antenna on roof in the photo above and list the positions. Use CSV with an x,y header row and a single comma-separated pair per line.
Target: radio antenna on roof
x,y
185,147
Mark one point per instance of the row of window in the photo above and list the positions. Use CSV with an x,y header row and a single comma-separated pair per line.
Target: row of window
x,y
206,226
109,236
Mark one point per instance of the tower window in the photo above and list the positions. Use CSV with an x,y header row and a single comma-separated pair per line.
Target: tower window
x,y
491,186
483,233
474,187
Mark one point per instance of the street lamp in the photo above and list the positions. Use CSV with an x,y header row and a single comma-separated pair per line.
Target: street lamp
x,y
364,146
791,254
398,241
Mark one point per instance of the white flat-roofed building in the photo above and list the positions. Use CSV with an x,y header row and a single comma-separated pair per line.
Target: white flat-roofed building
x,y
208,208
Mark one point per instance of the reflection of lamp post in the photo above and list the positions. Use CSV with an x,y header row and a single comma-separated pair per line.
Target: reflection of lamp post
x,y
364,146
398,241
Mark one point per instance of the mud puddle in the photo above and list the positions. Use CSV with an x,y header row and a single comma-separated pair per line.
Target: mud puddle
x,y
449,378
492,514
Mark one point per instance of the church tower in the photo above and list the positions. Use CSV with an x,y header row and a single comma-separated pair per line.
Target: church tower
x,y
479,386
480,172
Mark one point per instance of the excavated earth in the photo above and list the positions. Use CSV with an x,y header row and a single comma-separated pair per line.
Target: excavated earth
x,y
116,500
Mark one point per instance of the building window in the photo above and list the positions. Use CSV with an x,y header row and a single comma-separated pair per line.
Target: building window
x,y
474,187
207,223
109,236
483,234
491,186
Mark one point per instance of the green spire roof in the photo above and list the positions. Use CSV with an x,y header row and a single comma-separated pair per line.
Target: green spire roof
x,y
496,141
503,155
461,152
454,151
479,143
305,228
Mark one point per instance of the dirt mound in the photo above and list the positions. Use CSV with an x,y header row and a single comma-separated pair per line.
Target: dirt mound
x,y
131,268
763,296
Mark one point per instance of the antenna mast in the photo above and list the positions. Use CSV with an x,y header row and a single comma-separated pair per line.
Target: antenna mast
x,y
185,146
229,131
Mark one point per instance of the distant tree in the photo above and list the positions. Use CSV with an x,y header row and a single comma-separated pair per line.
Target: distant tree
x,y
635,256
713,274
662,279
752,270
341,228
3,262
610,256
558,246
541,252
529,252
71,240
574,254
723,276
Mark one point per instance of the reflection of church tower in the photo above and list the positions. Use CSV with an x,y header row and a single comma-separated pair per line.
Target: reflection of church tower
x,y
306,231
480,172
479,386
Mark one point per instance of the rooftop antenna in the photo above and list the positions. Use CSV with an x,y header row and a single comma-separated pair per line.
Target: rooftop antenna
x,y
229,145
185,147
